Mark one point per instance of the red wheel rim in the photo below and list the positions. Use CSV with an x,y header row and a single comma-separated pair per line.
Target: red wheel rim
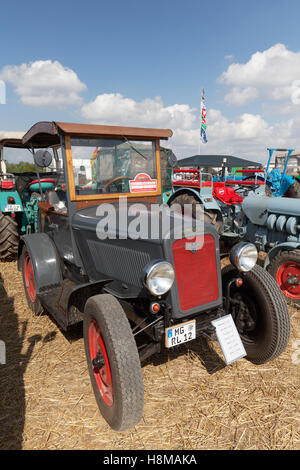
x,y
102,374
288,279
29,278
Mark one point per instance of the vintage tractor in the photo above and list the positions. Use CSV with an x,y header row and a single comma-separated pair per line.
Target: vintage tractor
x,y
242,211
19,195
239,171
110,254
207,180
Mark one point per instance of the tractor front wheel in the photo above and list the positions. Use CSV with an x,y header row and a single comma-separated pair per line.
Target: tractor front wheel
x,y
260,313
113,362
9,237
285,268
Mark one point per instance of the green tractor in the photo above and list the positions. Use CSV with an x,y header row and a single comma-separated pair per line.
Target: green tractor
x,y
20,194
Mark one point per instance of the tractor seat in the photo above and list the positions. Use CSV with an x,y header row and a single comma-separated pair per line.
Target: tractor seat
x,y
226,194
46,184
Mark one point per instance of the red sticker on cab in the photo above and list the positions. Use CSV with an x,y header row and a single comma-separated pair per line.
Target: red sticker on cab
x,y
143,183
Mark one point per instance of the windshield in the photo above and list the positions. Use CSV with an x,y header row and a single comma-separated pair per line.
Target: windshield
x,y
106,166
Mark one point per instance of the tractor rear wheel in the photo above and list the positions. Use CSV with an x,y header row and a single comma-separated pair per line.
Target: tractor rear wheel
x,y
294,190
29,283
285,268
9,237
210,217
260,313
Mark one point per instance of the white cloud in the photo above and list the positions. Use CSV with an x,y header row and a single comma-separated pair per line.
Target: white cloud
x,y
247,135
44,83
115,108
271,73
229,57
239,96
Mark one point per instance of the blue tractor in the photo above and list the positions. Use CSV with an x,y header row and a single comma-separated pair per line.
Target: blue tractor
x,y
276,180
281,183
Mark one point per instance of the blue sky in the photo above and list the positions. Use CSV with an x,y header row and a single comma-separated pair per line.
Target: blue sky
x,y
141,50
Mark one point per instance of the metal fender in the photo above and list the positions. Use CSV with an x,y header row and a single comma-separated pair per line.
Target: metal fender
x,y
282,246
207,201
44,259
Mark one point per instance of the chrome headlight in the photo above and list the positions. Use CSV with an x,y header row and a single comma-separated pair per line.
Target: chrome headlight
x,y
244,256
159,277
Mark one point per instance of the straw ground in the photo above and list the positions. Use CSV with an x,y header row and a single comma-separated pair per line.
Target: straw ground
x,y
192,401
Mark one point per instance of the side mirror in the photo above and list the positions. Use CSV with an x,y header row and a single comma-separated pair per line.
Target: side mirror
x,y
42,158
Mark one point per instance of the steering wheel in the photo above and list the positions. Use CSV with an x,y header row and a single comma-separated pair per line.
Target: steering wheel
x,y
118,178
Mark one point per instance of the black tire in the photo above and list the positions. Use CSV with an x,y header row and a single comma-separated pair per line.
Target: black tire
x,y
120,399
294,190
29,283
269,333
9,237
283,266
210,217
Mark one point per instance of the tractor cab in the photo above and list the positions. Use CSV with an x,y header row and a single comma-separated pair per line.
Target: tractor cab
x,y
103,162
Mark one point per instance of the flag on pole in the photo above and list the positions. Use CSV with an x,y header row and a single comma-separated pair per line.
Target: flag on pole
x,y
203,120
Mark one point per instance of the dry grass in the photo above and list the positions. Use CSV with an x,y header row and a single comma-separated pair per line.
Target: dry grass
x,y
191,400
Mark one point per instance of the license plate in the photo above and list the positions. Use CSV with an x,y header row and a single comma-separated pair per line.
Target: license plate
x,y
229,339
13,208
179,334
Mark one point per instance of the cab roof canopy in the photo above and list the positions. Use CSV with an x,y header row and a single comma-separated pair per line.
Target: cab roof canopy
x,y
45,134
217,161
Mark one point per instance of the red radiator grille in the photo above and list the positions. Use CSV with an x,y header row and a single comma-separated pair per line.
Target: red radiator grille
x,y
196,273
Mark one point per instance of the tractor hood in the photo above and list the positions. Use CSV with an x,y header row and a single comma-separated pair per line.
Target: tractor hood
x,y
258,208
143,237
150,222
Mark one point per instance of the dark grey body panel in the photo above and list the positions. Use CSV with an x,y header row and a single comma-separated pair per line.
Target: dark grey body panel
x,y
45,261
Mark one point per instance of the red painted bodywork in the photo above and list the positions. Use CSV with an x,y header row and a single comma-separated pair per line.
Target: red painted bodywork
x,y
226,194
196,273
